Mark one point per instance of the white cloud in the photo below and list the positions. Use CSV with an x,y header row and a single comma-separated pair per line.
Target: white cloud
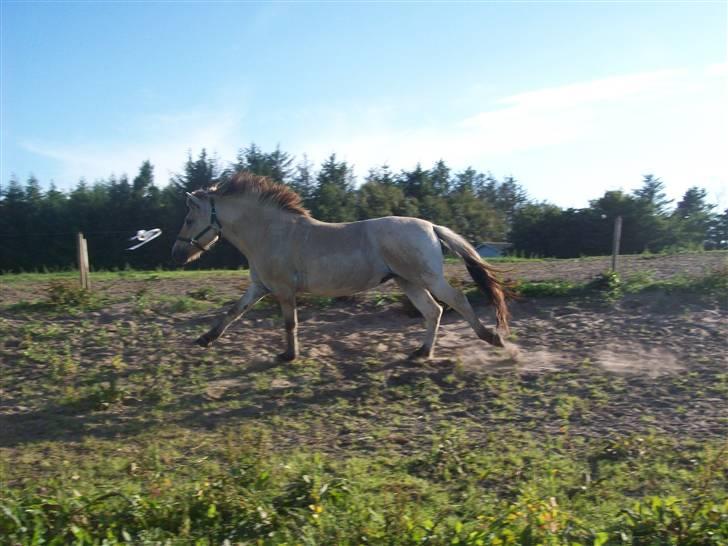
x,y
523,121
566,143
590,92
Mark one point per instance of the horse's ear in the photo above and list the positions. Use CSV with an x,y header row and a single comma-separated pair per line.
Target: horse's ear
x,y
193,200
221,186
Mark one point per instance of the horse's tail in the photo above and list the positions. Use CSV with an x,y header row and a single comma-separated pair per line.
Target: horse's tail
x,y
484,275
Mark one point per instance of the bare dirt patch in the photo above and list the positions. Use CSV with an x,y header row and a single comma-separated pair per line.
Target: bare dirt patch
x,y
651,362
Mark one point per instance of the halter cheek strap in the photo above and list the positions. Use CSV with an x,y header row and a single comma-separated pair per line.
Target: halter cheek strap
x,y
214,225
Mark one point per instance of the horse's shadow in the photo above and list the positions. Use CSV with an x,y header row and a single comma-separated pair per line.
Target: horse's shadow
x,y
347,380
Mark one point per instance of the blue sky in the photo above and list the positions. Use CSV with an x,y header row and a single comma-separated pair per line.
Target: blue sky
x,y
571,98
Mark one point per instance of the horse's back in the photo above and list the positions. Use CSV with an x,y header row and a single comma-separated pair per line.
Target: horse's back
x,y
336,259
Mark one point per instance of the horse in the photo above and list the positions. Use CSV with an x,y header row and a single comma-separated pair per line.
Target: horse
x,y
290,252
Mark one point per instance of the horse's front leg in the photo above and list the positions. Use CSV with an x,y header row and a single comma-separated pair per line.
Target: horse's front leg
x,y
252,296
290,319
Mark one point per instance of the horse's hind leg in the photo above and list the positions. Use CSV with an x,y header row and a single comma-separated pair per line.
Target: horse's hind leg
x,y
430,309
453,297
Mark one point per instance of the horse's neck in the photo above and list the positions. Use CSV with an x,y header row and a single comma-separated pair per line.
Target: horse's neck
x,y
247,225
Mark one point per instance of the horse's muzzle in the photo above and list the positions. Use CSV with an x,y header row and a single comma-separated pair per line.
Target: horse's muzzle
x,y
180,255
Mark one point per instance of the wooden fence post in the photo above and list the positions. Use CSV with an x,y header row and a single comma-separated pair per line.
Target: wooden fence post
x,y
83,265
616,239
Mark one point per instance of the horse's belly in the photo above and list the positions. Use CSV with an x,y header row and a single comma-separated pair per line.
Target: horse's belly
x,y
341,277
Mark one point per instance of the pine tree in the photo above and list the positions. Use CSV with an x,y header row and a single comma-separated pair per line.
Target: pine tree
x,y
334,198
718,232
143,182
652,194
440,177
377,199
197,174
416,183
303,181
277,165
692,218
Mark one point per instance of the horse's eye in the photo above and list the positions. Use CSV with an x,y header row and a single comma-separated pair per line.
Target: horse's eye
x,y
189,222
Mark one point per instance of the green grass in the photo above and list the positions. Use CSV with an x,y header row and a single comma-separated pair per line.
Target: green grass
x,y
72,276
508,489
124,434
62,297
712,284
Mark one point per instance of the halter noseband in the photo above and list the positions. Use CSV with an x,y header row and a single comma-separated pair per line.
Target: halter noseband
x,y
214,225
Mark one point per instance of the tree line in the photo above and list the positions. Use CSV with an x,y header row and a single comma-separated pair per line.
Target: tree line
x,y
37,227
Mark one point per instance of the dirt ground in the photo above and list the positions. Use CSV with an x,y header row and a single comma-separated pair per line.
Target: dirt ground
x,y
653,361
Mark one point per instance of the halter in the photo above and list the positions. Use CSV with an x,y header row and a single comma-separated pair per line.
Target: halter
x,y
214,225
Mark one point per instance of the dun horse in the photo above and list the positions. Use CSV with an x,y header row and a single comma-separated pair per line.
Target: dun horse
x,y
290,252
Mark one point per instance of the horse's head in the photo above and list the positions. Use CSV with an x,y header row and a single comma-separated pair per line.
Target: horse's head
x,y
200,231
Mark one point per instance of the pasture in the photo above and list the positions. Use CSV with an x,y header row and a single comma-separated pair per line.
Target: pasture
x,y
608,425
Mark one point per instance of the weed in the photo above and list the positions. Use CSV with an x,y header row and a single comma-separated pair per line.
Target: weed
x,y
203,294
98,397
609,283
548,288
63,297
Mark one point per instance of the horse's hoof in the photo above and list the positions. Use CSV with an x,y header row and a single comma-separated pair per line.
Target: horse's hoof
x,y
286,357
498,340
203,341
423,353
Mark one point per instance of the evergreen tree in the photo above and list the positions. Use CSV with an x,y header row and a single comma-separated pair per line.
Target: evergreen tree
x,y
143,182
536,230
652,194
14,252
509,197
200,173
416,183
652,226
718,232
303,182
440,178
468,180
33,194
377,199
38,227
334,199
276,165
473,218
693,218
382,175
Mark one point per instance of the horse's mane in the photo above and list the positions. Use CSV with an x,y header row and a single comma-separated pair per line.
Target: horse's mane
x,y
263,188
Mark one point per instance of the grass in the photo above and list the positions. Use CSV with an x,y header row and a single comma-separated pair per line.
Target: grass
x,y
508,489
433,455
62,297
612,285
130,274
117,433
